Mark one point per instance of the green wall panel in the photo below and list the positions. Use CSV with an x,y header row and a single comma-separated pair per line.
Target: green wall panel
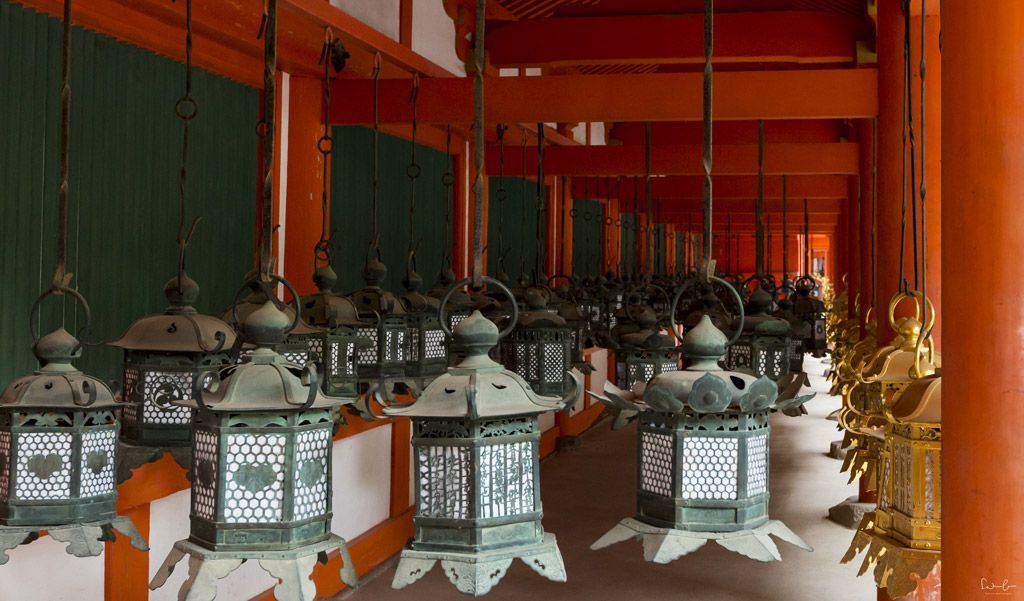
x,y
627,244
352,215
125,153
518,222
586,241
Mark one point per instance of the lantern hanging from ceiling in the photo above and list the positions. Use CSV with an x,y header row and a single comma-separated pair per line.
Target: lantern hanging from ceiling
x,y
261,467
332,344
58,450
570,309
163,355
703,436
642,348
539,348
811,310
383,361
764,344
477,472
428,353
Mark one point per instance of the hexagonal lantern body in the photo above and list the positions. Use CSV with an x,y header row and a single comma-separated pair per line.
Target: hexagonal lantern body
x,y
391,338
335,343
647,352
477,469
811,311
581,332
703,442
428,353
540,347
163,355
58,443
261,467
765,345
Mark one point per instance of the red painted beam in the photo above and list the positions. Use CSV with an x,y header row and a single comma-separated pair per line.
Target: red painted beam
x,y
792,94
824,206
724,187
789,159
767,37
729,132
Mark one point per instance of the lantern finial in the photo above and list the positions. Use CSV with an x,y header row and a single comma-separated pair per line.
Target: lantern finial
x,y
181,293
324,277
704,344
477,335
56,350
267,325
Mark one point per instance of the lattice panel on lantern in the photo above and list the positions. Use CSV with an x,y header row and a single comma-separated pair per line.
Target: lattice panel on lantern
x,y
315,345
204,479
340,359
412,351
44,466
311,448
296,356
738,356
506,479
368,353
97,475
395,345
656,463
160,389
129,415
434,344
131,379
525,362
902,484
445,485
709,468
455,319
669,366
5,457
757,465
884,491
554,363
932,484
255,490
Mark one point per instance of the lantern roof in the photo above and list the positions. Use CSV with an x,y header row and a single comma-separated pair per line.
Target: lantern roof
x,y
920,401
257,300
57,384
326,308
265,380
180,328
479,387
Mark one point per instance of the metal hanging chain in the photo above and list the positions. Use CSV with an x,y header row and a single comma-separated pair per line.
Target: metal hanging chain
x,y
61,279
414,169
785,246
375,183
268,30
541,205
185,109
913,141
902,284
924,187
501,193
807,241
478,142
333,55
759,204
524,208
709,13
874,200
448,180
649,232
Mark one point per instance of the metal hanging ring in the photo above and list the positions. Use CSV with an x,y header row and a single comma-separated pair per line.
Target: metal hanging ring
x,y
255,284
413,170
325,144
607,220
186,108
466,281
501,194
686,286
58,291
448,179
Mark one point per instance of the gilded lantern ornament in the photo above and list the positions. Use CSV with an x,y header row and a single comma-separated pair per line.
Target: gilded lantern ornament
x,y
261,467
539,348
906,544
703,438
764,344
164,354
58,452
477,470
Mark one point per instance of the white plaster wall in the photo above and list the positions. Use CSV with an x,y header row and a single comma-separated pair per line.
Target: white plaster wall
x,y
362,482
433,35
381,15
42,571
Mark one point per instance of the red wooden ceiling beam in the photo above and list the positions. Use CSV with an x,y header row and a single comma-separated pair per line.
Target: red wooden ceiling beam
x,y
730,132
789,159
820,206
766,37
744,95
725,186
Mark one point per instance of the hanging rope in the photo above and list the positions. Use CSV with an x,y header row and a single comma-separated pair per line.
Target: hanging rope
x,y
269,32
523,205
413,170
541,207
501,193
924,187
333,55
478,142
874,200
375,183
185,109
708,85
913,139
759,204
61,279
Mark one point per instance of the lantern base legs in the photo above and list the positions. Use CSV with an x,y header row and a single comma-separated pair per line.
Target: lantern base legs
x,y
131,457
291,568
850,513
663,545
836,450
476,573
83,540
897,568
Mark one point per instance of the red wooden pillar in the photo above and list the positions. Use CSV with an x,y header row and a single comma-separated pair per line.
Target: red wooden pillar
x,y
462,230
983,173
851,257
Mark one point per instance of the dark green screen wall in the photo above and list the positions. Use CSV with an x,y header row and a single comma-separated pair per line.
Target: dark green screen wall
x,y
586,241
125,153
517,219
352,214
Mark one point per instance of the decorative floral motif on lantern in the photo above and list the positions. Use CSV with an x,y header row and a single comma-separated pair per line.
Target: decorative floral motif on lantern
x,y
539,348
59,452
703,435
164,354
477,472
261,466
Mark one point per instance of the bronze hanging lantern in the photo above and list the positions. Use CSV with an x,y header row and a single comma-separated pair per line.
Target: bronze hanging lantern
x,y
477,471
764,346
59,426
539,348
